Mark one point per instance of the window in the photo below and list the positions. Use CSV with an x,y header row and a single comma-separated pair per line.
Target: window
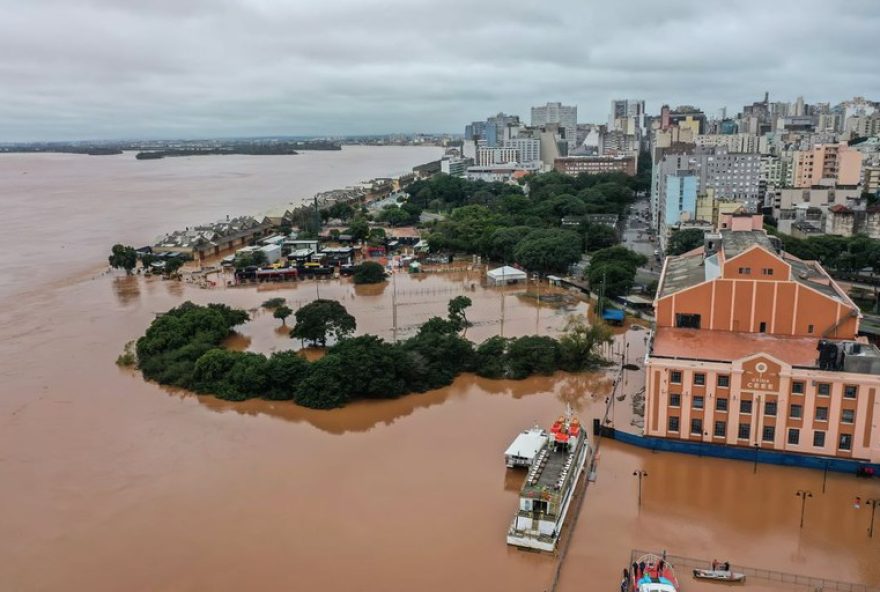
x,y
697,426
850,391
675,377
720,429
700,379
767,271
794,436
819,439
744,431
797,388
821,413
796,411
847,415
745,271
762,327
845,442
745,406
824,389
723,381
810,329
674,400
673,424
770,408
769,433
721,404
687,321
698,402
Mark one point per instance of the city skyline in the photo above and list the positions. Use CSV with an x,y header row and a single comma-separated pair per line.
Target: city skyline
x,y
108,70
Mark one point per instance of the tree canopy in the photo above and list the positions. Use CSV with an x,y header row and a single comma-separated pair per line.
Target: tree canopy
x,y
615,267
368,272
123,257
685,240
549,251
322,319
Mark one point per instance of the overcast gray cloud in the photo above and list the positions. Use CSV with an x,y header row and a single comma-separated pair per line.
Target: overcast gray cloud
x,y
160,68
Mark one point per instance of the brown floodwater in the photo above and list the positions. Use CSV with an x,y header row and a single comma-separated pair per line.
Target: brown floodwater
x,y
110,483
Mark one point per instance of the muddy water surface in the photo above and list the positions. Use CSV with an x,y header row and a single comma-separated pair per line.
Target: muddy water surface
x,y
111,483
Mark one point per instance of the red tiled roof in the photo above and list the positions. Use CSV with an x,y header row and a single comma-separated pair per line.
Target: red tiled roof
x,y
725,346
840,209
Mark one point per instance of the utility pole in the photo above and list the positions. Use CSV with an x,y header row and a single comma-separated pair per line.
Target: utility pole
x,y
873,502
757,448
503,284
803,494
393,303
640,474
825,476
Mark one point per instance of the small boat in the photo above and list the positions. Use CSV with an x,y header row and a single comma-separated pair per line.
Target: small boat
x,y
652,573
719,575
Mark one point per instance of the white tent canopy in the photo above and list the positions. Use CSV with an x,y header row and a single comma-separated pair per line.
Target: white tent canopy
x,y
505,275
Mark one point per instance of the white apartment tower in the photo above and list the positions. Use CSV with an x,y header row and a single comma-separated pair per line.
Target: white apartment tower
x,y
560,114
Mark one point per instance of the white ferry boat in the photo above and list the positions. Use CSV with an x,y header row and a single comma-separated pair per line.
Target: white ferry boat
x,y
523,450
549,486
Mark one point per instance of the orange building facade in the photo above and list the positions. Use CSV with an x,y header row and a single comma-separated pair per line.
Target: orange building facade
x,y
754,347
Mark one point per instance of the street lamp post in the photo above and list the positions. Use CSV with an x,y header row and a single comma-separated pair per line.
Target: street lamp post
x,y
825,476
803,494
640,473
874,502
757,448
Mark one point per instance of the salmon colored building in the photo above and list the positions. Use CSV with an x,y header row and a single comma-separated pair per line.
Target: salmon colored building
x,y
754,347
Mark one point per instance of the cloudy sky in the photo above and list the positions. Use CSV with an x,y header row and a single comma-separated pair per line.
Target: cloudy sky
x,y
74,69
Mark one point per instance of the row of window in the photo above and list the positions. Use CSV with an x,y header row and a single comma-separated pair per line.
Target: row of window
x,y
748,271
823,389
768,434
795,410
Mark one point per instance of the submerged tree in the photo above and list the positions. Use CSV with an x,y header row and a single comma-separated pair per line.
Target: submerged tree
x,y
320,319
123,257
457,315
282,312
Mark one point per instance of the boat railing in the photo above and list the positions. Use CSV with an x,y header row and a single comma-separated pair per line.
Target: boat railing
x,y
769,575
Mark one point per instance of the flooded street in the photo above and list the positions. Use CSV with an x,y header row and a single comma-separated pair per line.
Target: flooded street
x,y
110,483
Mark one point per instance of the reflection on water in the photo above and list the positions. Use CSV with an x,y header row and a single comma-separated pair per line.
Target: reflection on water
x,y
127,289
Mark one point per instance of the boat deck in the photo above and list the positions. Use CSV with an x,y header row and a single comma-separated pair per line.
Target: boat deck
x,y
550,470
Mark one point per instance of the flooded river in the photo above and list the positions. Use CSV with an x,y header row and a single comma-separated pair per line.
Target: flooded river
x,y
110,483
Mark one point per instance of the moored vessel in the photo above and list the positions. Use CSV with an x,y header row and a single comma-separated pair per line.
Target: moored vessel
x,y
652,573
549,486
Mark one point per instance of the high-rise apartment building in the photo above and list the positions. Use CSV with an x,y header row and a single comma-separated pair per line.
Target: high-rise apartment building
x,y
827,164
529,149
564,116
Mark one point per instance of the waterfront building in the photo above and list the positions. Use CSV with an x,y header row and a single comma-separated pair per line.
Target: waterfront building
x,y
756,348
487,156
209,240
562,115
574,165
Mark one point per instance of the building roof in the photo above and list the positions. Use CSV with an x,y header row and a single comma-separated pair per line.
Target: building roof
x,y
527,444
690,269
724,346
840,209
506,272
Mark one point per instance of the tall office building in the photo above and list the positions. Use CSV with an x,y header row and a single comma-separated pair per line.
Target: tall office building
x,y
564,116
627,115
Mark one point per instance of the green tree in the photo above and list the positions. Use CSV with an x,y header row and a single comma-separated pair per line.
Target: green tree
x,y
273,303
282,312
502,242
577,347
284,371
490,358
532,354
123,257
359,229
685,240
172,265
598,236
369,272
320,319
457,307
395,216
549,251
